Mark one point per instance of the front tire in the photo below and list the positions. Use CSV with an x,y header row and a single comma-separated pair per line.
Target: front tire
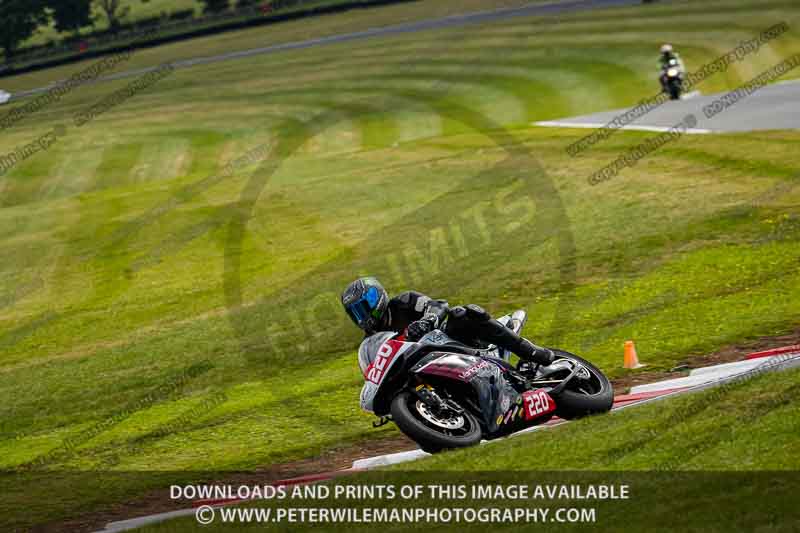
x,y
675,91
573,404
410,419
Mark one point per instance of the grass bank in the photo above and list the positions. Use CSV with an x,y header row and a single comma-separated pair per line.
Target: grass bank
x,y
134,253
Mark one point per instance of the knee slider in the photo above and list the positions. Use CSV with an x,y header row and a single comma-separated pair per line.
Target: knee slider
x,y
458,312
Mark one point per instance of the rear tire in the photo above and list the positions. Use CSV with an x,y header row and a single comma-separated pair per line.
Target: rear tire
x,y
571,404
431,440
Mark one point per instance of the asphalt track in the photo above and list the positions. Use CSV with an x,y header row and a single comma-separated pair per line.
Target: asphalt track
x,y
479,17
774,107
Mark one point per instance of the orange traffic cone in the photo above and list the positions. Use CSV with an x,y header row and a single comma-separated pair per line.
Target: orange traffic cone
x,y
631,360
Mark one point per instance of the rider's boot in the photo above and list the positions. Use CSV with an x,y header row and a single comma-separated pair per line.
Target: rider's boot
x,y
533,353
487,329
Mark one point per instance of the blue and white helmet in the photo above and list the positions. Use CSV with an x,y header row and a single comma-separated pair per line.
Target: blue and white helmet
x,y
366,302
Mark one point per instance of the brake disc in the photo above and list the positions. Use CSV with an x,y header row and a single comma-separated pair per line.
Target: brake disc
x,y
454,422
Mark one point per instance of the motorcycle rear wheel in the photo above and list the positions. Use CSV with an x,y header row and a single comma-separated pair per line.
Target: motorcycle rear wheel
x,y
432,438
573,404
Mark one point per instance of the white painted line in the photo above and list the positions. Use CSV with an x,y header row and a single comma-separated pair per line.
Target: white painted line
x,y
709,374
690,95
727,368
134,523
389,459
599,126
688,381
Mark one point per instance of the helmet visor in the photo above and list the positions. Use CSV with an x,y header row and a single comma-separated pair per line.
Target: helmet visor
x,y
365,307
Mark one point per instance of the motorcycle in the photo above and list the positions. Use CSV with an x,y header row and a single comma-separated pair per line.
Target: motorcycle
x,y
444,394
672,79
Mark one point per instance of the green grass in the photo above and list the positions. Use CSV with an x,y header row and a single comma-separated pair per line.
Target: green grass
x,y
688,462
118,271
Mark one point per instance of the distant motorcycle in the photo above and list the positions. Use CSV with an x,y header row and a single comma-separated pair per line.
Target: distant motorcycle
x,y
672,79
444,394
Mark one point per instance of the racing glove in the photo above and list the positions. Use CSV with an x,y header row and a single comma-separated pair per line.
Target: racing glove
x,y
418,328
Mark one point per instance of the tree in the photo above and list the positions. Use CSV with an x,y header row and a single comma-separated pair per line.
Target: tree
x,y
71,15
114,12
215,6
19,19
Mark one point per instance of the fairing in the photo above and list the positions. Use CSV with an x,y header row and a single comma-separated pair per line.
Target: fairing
x,y
380,352
494,395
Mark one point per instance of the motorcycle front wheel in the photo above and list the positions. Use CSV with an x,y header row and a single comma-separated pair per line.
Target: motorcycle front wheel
x,y
434,431
674,91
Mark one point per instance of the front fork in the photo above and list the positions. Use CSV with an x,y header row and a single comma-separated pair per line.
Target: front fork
x,y
429,397
435,401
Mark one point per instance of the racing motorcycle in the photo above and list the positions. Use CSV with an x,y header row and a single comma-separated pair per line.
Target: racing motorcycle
x,y
672,79
444,394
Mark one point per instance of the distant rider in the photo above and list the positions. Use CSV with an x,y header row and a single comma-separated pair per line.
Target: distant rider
x,y
413,314
672,72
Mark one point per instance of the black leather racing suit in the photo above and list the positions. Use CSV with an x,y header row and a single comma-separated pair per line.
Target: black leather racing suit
x,y
413,314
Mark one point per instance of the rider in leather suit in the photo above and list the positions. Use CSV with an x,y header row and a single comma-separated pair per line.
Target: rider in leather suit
x,y
667,54
413,315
